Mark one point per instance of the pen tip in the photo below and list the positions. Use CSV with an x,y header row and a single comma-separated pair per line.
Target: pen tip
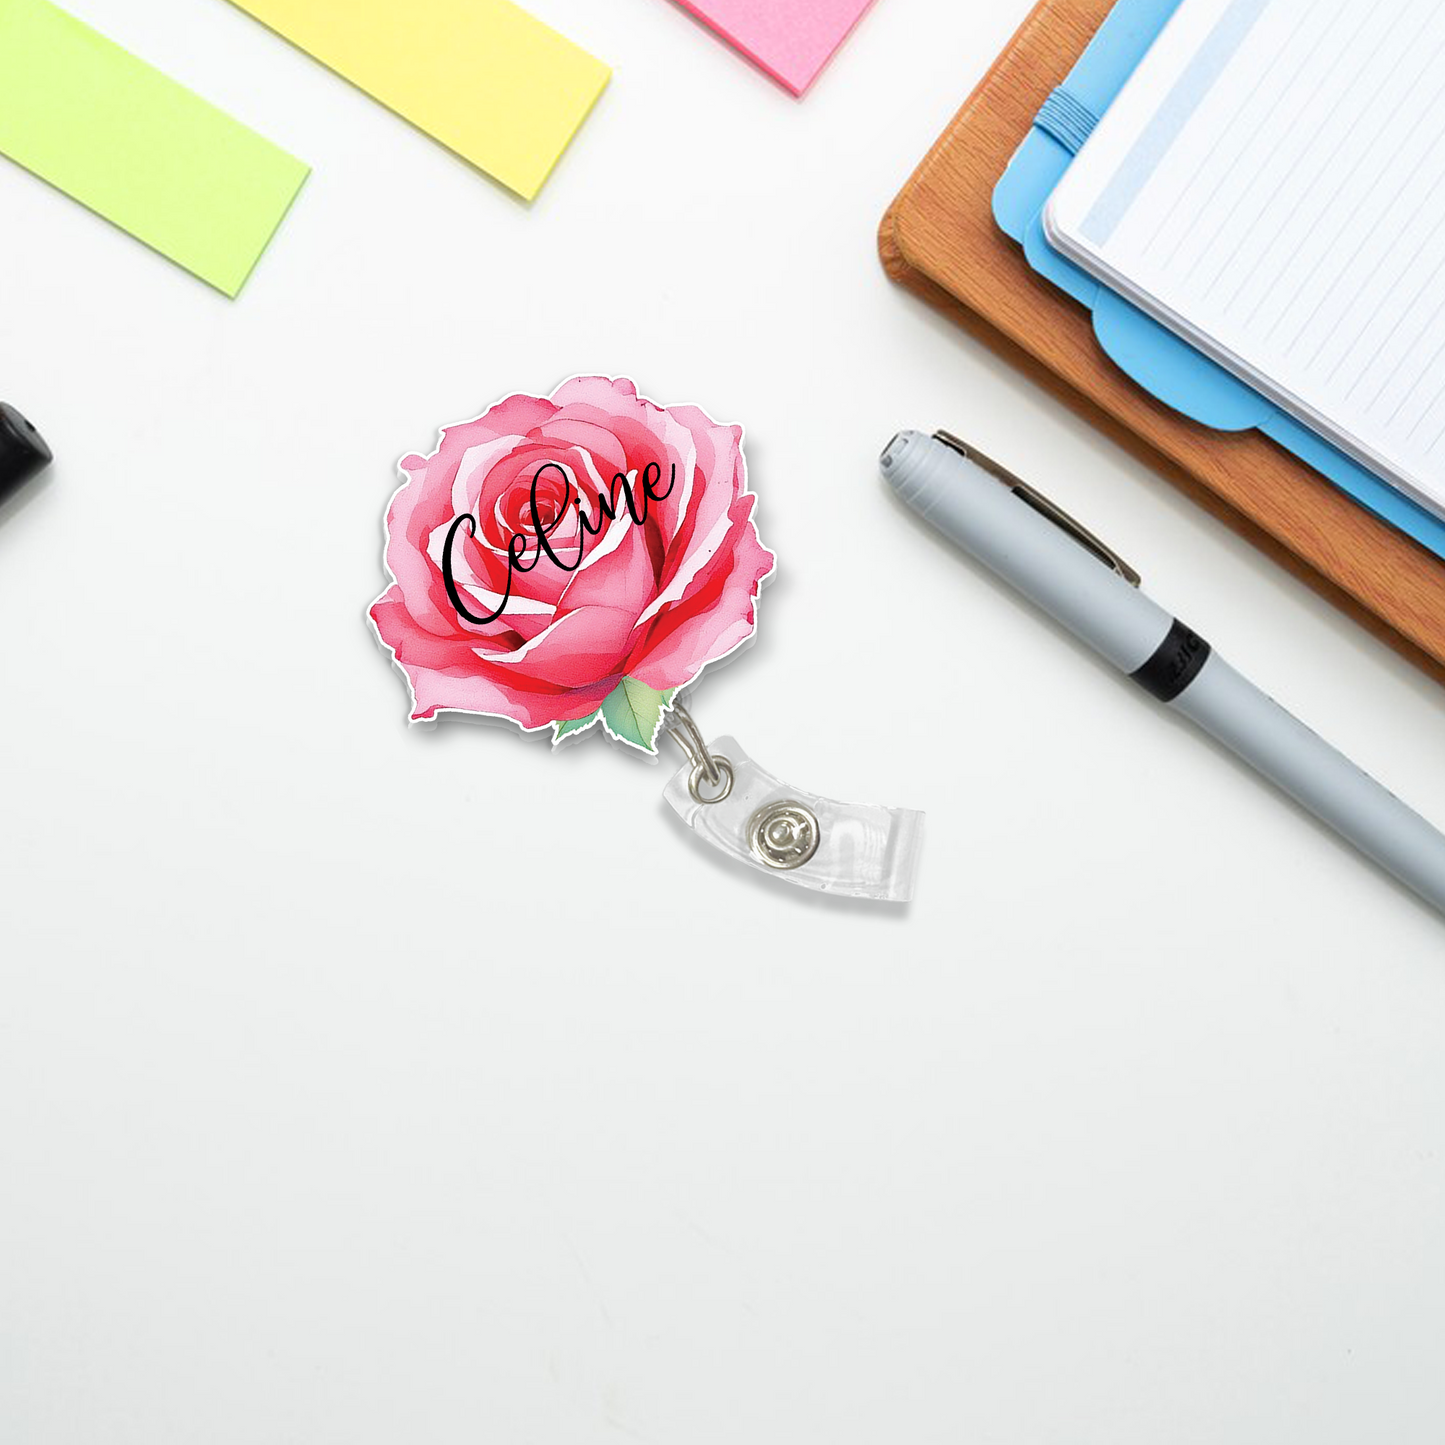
x,y
23,452
894,450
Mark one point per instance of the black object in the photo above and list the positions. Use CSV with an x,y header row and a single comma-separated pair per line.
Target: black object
x,y
23,452
1175,664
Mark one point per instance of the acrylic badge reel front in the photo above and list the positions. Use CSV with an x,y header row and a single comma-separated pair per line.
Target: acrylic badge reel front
x,y
571,563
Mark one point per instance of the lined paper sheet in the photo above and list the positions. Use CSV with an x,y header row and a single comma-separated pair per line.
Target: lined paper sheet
x,y
1271,183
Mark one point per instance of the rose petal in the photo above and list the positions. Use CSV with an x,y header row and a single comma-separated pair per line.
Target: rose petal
x,y
715,617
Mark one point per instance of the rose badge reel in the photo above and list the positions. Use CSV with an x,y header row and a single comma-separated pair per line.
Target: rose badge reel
x,y
570,563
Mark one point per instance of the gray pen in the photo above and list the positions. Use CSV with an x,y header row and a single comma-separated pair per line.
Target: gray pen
x,y
1078,581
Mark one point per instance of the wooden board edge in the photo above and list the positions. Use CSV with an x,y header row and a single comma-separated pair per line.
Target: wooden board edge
x,y
899,269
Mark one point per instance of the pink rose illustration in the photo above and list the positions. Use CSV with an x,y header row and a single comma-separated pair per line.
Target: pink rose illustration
x,y
571,559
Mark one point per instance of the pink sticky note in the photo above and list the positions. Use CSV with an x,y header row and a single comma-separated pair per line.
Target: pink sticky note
x,y
791,39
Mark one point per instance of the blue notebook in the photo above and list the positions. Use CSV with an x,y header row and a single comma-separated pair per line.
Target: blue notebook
x,y
1236,254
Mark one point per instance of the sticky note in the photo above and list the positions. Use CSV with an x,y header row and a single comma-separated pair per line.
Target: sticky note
x,y
482,76
138,148
791,39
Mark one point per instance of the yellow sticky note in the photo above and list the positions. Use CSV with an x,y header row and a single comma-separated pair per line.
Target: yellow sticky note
x,y
482,76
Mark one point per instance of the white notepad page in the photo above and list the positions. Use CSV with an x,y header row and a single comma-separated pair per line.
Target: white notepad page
x,y
1270,183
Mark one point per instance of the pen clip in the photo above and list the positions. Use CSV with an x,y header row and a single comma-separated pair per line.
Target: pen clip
x,y
1044,507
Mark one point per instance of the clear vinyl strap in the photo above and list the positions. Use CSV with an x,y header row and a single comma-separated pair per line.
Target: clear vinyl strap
x,y
852,849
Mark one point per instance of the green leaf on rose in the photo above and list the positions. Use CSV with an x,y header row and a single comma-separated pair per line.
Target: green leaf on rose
x,y
561,730
632,713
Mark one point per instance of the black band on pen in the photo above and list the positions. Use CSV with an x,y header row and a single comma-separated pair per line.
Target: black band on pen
x,y
1175,664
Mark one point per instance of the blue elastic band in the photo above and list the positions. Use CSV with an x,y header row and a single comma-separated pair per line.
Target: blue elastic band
x,y
1065,117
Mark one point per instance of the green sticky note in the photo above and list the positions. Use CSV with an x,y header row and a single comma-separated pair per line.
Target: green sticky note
x,y
136,147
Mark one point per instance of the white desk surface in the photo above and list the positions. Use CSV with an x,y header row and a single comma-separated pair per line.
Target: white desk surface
x,y
363,1085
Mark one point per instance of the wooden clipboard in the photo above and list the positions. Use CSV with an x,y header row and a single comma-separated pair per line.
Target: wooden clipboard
x,y
939,239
